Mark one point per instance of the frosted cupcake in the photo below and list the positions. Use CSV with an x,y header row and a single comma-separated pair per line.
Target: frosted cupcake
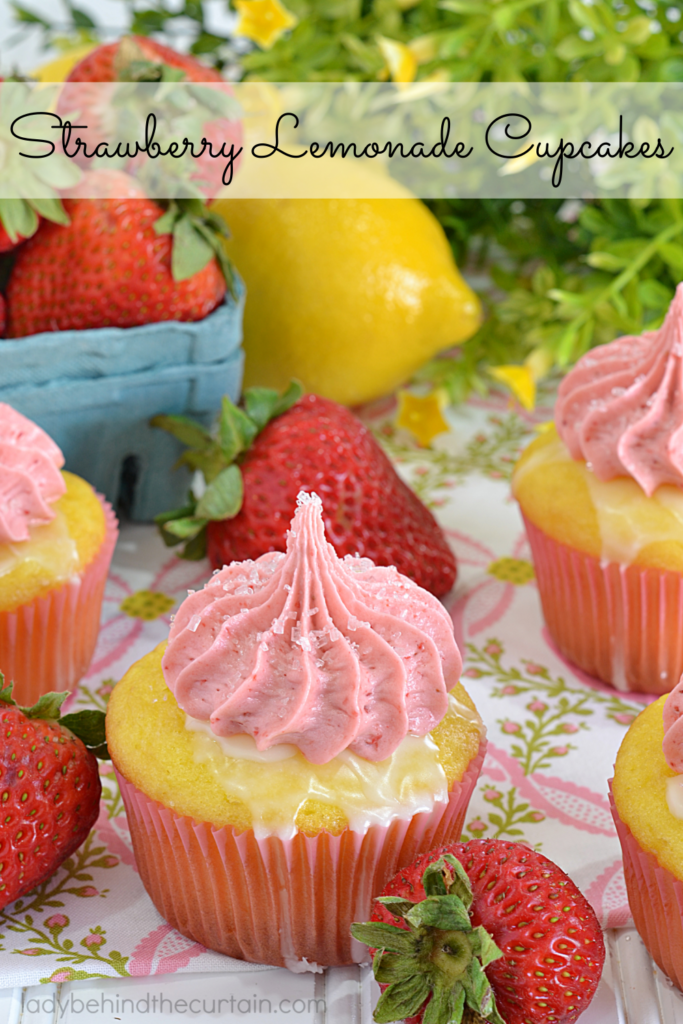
x,y
56,541
647,804
602,500
303,736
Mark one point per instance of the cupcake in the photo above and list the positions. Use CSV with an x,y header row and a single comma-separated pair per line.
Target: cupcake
x,y
601,494
302,736
57,537
647,804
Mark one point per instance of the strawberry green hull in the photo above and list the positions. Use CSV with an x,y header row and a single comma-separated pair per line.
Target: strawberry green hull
x,y
94,392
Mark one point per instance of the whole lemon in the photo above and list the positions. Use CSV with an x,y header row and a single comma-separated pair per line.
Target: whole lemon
x,y
350,296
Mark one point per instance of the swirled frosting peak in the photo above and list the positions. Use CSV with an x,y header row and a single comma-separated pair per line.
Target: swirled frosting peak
x,y
305,648
621,407
673,728
30,480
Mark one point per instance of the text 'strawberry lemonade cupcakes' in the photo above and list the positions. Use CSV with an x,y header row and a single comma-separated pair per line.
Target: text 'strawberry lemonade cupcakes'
x,y
647,804
303,736
602,500
56,541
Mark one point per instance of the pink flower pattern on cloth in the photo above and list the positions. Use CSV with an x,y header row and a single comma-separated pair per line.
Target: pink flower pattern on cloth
x,y
621,407
30,481
673,728
305,648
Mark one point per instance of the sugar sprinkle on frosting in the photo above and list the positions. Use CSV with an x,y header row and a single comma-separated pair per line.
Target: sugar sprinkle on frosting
x,y
30,478
305,648
621,407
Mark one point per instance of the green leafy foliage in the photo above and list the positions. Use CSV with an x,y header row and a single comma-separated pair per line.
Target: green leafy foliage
x,y
552,285
217,456
557,278
198,235
436,954
456,40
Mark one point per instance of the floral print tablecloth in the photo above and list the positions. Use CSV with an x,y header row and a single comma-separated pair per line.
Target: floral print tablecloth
x,y
553,732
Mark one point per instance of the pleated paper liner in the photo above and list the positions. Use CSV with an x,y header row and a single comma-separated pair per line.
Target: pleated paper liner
x,y
621,623
656,900
47,644
284,902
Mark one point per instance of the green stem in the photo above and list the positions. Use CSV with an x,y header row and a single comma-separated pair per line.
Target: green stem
x,y
615,286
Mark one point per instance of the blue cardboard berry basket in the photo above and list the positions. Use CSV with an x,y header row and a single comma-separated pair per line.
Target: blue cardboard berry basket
x,y
94,392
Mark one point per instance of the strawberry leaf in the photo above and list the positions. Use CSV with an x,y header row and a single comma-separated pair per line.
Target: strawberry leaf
x,y
191,252
264,404
88,725
18,218
195,549
402,999
6,691
164,225
185,529
445,1007
197,237
484,947
222,499
444,912
184,429
384,936
391,967
51,209
236,430
396,904
210,461
47,706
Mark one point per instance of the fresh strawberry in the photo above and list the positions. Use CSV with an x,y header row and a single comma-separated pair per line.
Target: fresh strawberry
x,y
19,219
49,788
138,58
110,62
7,243
282,448
117,263
496,933
3,316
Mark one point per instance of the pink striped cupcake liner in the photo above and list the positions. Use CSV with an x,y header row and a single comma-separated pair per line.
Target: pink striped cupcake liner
x,y
656,900
620,623
47,644
284,902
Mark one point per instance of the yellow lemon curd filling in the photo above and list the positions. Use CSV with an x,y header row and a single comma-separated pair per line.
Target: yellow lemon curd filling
x,y
614,521
178,762
641,781
55,552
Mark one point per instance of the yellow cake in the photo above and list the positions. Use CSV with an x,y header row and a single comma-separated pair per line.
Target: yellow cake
x,y
56,551
56,541
611,520
264,831
151,745
651,837
640,782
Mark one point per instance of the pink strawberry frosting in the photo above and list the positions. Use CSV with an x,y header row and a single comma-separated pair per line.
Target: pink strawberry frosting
x,y
621,407
673,728
305,648
30,480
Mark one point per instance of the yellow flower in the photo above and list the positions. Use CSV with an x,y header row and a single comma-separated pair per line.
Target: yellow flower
x,y
425,48
56,70
520,381
422,416
264,21
401,61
